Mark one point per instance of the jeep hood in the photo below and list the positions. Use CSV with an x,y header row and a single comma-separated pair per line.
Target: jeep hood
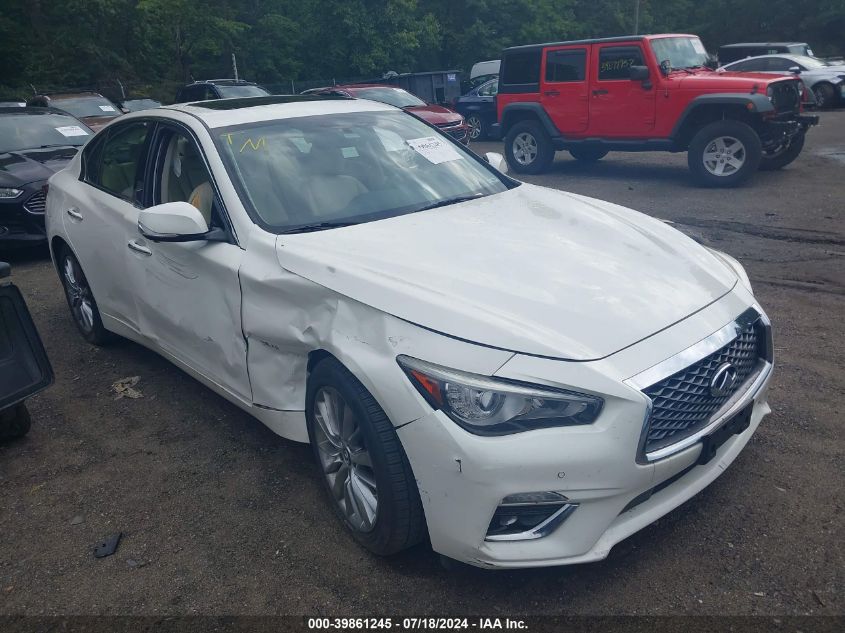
x,y
529,270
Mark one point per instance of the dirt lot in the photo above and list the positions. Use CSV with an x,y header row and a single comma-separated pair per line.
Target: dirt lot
x,y
222,517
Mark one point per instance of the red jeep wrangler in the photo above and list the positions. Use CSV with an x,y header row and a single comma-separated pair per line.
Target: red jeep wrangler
x,y
646,93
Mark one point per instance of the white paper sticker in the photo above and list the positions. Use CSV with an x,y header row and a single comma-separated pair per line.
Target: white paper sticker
x,y
71,130
349,152
107,108
436,150
697,46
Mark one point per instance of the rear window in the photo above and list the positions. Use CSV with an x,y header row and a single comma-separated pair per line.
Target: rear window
x,y
615,62
522,68
566,65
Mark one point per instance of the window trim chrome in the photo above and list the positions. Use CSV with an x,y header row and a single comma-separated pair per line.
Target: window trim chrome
x,y
697,352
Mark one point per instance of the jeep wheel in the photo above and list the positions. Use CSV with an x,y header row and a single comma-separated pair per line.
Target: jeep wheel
x,y
783,155
724,153
824,94
528,148
588,154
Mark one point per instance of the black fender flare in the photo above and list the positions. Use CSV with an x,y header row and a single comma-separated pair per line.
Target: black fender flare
x,y
756,103
535,109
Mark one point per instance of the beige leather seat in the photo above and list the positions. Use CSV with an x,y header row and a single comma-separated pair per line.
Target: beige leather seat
x,y
328,189
185,177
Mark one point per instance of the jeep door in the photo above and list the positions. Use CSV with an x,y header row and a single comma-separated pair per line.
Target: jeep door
x,y
619,106
564,91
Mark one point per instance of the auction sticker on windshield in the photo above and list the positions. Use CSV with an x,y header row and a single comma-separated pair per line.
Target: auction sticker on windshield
x,y
107,108
434,149
71,130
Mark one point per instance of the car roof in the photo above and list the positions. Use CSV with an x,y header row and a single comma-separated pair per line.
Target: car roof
x,y
57,96
741,44
34,110
224,112
601,40
354,86
223,82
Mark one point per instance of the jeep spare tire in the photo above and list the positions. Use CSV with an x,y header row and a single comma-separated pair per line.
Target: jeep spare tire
x,y
588,154
528,149
724,153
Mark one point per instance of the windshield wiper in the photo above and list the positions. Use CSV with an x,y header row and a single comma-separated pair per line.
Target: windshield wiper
x,y
320,226
56,145
448,201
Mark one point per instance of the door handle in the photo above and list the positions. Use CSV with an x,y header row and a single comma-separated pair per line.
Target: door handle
x,y
596,93
139,248
552,93
74,213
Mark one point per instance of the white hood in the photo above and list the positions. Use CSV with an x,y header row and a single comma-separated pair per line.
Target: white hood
x,y
531,270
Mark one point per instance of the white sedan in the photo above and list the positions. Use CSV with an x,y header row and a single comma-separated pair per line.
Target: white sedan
x,y
523,375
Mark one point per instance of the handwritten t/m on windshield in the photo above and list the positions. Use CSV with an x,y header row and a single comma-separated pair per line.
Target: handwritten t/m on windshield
x,y
618,64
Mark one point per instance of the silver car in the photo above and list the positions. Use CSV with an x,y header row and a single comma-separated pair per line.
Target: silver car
x,y
826,80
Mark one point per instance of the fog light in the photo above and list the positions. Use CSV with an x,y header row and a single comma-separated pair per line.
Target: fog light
x,y
528,515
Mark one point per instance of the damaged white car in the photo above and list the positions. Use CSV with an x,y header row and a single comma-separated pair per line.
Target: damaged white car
x,y
523,375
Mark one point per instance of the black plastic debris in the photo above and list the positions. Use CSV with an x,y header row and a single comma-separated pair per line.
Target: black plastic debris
x,y
107,546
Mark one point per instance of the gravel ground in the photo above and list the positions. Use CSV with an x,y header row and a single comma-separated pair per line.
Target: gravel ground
x,y
222,517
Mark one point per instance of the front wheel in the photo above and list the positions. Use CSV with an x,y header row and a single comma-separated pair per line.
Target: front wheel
x,y
783,155
476,128
365,469
80,300
528,149
14,422
724,153
825,95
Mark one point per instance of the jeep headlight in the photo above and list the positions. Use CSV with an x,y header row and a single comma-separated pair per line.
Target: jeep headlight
x,y
493,406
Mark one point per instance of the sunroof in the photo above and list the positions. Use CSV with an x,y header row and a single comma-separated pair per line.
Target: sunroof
x,y
249,102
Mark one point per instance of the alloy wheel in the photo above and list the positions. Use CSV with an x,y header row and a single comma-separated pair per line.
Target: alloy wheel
x,y
474,127
724,156
346,463
525,148
79,294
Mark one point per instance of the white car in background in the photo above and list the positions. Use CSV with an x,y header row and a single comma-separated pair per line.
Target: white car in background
x,y
525,375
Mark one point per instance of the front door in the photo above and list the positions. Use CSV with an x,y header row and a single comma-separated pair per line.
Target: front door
x,y
189,295
619,106
564,89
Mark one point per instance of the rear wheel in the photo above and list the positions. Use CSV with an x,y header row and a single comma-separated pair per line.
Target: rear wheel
x,y
80,300
588,154
528,148
365,469
14,422
724,153
825,95
783,155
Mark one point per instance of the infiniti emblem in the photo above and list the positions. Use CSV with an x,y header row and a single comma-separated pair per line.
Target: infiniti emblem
x,y
723,380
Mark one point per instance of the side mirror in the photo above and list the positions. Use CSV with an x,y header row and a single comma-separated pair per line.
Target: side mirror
x,y
176,222
795,70
638,73
665,66
497,161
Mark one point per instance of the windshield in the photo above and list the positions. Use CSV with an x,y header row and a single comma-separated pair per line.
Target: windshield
x,y
228,92
680,52
86,106
391,96
348,168
134,105
32,131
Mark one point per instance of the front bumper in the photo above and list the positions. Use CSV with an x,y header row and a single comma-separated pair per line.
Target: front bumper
x,y
458,132
22,218
463,478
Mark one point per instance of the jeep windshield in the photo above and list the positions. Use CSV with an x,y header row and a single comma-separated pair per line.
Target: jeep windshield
x,y
679,52
320,172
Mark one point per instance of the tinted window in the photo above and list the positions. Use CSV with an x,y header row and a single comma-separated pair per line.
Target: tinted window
x,y
615,61
228,92
122,156
750,65
489,89
522,68
779,63
194,93
568,65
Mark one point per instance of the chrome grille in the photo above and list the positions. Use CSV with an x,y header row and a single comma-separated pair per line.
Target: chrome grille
x,y
37,203
682,404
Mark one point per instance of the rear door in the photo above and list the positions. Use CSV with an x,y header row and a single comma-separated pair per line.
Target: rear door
x,y
564,90
619,106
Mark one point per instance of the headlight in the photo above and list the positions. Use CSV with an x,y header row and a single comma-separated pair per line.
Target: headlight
x,y
493,406
8,192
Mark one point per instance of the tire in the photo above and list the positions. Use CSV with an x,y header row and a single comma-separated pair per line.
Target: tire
x,y
80,300
15,422
588,154
825,95
477,129
783,155
364,464
534,151
724,153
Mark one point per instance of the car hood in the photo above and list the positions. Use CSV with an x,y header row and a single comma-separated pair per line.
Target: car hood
x,y
531,270
731,81
435,114
31,165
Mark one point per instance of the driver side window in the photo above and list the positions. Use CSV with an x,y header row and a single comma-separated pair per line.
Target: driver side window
x,y
182,176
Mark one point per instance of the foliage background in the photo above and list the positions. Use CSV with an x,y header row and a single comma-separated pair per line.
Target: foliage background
x,y
152,46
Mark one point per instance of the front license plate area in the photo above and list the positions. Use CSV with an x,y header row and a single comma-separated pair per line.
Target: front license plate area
x,y
736,425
